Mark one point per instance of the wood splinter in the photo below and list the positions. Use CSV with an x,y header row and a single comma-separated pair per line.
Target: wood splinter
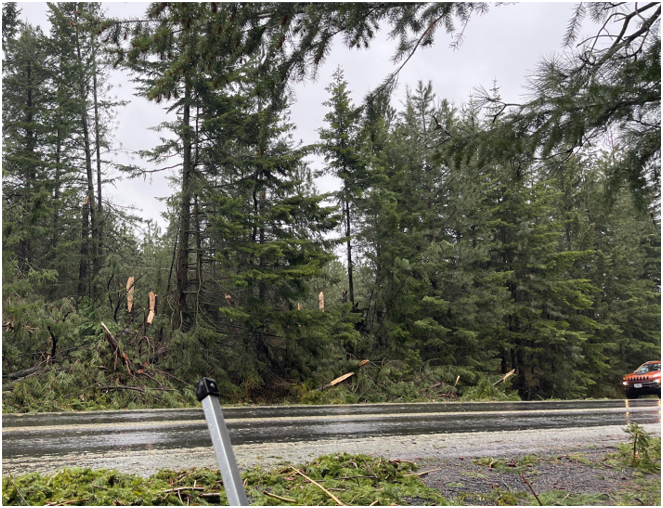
x,y
153,302
130,294
506,376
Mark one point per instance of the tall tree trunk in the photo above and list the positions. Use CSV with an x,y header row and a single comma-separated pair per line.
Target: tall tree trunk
x,y
185,213
82,269
56,191
30,143
88,158
199,253
349,244
97,138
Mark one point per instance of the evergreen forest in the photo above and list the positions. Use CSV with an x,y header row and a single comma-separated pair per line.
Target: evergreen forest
x,y
478,251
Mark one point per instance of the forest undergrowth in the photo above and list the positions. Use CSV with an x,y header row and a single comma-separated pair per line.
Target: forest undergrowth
x,y
95,378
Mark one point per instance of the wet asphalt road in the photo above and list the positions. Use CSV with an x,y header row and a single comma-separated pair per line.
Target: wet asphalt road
x,y
52,434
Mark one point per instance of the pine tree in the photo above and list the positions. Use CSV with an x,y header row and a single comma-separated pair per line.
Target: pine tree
x,y
594,91
25,97
266,224
341,148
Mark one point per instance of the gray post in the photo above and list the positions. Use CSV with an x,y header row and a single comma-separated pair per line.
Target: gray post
x,y
207,392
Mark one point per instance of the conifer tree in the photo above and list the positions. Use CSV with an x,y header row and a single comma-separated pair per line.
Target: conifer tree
x,y
266,225
341,148
25,98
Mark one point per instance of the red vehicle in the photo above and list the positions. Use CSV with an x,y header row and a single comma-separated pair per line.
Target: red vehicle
x,y
644,381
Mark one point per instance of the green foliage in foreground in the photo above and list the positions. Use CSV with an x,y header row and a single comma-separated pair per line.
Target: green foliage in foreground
x,y
353,479
642,451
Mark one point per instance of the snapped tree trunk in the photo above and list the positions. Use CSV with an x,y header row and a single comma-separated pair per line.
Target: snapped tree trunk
x,y
82,269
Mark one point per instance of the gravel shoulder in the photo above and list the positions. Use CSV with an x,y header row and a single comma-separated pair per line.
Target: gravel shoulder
x,y
574,476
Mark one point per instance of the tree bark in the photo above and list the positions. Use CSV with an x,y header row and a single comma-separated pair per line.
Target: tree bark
x,y
349,244
30,142
185,213
88,158
97,138
82,270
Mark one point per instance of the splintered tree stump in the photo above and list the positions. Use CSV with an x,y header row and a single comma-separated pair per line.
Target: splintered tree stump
x,y
152,302
130,294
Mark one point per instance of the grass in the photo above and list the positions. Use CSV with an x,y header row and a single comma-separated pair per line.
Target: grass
x,y
638,460
523,464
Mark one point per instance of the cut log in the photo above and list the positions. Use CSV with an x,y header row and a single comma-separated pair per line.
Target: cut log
x,y
130,294
116,347
506,376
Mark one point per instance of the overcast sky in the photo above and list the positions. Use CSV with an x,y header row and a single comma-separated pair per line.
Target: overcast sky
x,y
503,45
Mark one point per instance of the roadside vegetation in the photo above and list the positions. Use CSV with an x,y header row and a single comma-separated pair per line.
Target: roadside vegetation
x,y
329,480
631,473
86,380
344,479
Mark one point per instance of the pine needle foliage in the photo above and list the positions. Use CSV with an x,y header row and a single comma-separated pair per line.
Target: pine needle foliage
x,y
354,479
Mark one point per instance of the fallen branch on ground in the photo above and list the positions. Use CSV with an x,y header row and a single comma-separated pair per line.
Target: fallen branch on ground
x,y
286,499
531,489
116,347
337,500
19,492
180,489
424,472
135,388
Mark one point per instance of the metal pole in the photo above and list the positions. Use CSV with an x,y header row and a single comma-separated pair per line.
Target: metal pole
x,y
207,392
